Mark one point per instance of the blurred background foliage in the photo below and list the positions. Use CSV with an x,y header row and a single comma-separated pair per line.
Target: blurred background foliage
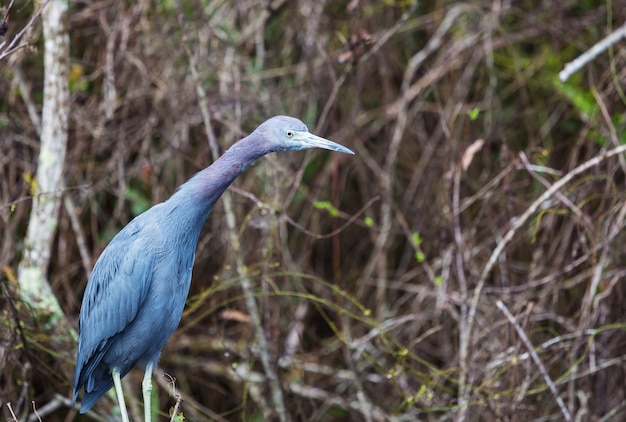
x,y
367,268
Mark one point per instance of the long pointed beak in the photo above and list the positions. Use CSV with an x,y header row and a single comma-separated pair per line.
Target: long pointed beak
x,y
308,140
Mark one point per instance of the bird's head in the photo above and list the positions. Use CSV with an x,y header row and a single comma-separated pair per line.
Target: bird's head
x,y
284,133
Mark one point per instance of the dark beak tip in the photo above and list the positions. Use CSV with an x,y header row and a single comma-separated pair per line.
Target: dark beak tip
x,y
346,151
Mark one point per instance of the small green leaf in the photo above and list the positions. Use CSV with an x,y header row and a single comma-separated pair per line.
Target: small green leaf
x,y
438,280
32,182
179,417
369,222
321,205
416,239
420,256
326,205
580,98
473,113
76,78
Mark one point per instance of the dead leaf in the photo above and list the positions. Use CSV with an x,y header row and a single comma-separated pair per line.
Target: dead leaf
x,y
470,152
235,315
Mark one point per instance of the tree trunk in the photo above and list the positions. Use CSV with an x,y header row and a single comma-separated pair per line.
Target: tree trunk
x,y
34,287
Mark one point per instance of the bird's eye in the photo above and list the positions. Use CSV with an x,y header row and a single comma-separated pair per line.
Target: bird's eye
x,y
289,134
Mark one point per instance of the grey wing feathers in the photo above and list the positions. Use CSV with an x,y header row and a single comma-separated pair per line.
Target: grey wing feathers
x,y
115,291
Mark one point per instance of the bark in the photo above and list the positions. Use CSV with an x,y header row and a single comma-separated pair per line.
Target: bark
x,y
34,286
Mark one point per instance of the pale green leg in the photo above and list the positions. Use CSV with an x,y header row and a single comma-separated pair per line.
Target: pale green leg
x,y
120,394
146,386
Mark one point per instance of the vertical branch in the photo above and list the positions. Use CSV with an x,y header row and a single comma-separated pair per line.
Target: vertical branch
x,y
33,281
409,91
535,358
246,284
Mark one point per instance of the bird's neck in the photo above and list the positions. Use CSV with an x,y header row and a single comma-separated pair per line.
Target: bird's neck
x,y
198,195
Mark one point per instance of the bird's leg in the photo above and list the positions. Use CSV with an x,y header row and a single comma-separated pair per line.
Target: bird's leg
x,y
146,386
120,394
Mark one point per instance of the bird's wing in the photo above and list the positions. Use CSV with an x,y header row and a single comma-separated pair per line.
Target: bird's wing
x,y
115,291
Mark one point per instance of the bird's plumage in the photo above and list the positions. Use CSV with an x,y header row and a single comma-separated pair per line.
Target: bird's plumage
x,y
137,291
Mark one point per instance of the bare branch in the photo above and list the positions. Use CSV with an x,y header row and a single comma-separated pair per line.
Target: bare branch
x,y
601,46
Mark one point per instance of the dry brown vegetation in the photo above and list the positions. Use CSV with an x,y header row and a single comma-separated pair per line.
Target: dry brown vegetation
x,y
429,277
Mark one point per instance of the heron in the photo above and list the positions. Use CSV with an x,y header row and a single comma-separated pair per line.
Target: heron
x,y
137,290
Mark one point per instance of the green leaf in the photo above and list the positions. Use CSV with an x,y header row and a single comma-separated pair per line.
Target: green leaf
x,y
32,182
420,256
369,222
179,417
473,113
416,239
326,205
579,98
138,201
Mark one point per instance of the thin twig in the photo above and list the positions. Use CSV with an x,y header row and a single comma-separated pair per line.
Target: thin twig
x,y
559,195
606,116
9,49
12,413
602,45
172,383
81,239
246,283
386,180
33,112
535,358
464,332
373,412
35,411
520,221
335,232
58,401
